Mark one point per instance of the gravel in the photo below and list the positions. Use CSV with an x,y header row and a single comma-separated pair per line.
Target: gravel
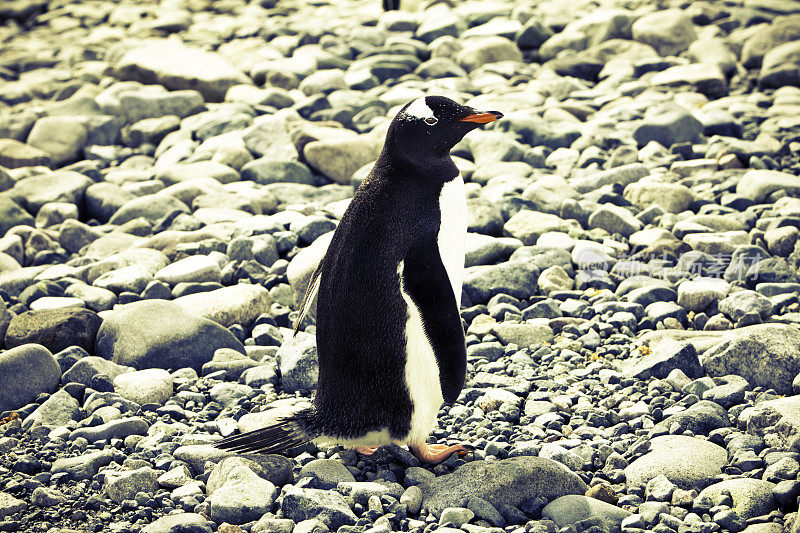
x,y
172,173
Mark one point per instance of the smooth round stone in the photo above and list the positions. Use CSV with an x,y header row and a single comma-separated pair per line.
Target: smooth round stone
x,y
688,462
569,509
697,294
507,482
145,386
196,268
160,334
238,304
56,302
553,279
751,497
327,473
458,516
555,239
175,523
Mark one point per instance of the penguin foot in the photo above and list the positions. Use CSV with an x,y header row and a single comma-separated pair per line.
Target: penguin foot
x,y
436,453
366,450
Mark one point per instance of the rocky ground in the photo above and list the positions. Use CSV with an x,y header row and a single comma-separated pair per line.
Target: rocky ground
x,y
171,173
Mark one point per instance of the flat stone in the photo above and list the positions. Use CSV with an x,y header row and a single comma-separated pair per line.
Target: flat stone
x,y
757,185
751,497
666,356
15,154
766,355
62,138
516,279
83,466
9,505
700,418
160,334
671,197
569,509
176,67
507,482
688,462
179,523
60,186
329,507
243,497
124,485
152,385
55,329
58,410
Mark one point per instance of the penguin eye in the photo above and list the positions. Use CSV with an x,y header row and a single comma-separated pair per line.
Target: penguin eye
x,y
431,121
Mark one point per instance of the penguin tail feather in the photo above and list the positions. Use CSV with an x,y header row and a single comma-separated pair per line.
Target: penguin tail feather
x,y
281,435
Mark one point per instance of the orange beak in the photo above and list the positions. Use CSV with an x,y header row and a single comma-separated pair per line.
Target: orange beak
x,y
483,118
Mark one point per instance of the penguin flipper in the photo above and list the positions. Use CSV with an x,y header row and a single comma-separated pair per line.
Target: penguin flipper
x,y
283,434
427,283
310,296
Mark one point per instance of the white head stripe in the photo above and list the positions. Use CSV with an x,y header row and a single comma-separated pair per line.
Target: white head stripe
x,y
419,109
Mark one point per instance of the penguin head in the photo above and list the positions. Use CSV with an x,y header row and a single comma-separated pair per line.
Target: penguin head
x,y
427,128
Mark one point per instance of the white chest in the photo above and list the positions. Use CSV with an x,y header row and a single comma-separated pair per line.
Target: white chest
x,y
453,232
422,370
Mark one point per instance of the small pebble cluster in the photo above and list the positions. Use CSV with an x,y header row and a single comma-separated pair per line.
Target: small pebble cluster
x,y
171,173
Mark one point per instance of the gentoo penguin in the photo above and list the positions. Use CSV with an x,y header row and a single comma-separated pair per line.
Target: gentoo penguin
x,y
389,336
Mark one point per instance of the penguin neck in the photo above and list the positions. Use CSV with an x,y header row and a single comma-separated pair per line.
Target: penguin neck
x,y
417,161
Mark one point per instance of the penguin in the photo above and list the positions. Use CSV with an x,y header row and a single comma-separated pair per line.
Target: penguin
x,y
389,336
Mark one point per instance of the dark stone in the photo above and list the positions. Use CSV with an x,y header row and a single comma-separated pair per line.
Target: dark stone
x,y
55,329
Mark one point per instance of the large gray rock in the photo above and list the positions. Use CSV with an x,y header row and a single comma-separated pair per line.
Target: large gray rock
x,y
26,371
237,304
567,510
88,367
781,66
60,186
757,185
55,329
751,497
508,482
11,214
83,466
175,66
700,418
779,418
667,124
766,355
528,226
329,507
666,356
625,175
742,303
57,410
669,31
160,334
62,138
151,207
242,497
340,158
125,484
517,279
688,462
778,31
